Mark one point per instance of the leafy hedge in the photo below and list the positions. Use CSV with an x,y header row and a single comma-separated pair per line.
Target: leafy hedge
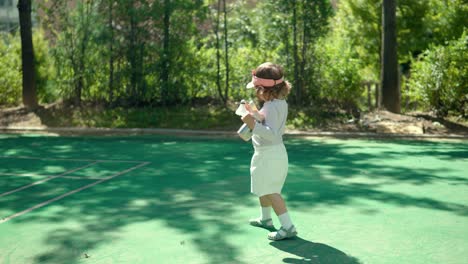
x,y
10,69
440,78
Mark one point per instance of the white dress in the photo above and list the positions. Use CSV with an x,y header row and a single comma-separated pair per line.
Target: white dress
x,y
269,165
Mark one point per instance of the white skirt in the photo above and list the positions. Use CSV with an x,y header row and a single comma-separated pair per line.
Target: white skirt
x,y
268,169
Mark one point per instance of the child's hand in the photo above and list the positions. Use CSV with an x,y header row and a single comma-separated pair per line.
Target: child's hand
x,y
248,108
249,120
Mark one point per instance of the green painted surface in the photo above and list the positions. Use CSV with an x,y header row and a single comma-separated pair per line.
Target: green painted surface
x,y
353,201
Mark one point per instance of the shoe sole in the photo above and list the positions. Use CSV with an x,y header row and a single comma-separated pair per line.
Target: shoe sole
x,y
271,228
287,237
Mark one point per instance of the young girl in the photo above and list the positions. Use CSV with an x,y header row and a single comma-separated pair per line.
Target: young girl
x,y
269,165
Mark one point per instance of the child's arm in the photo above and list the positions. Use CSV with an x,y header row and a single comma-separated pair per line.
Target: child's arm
x,y
271,127
254,112
249,120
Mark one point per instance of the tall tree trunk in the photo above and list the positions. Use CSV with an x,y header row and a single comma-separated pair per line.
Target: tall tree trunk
x,y
27,55
389,64
166,60
218,53
226,54
83,47
133,54
111,53
297,89
304,58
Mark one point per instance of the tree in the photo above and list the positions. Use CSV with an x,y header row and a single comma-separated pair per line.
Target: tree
x,y
27,55
389,62
226,53
111,50
166,60
218,53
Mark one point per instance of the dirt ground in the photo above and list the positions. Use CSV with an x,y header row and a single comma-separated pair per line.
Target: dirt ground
x,y
379,121
415,123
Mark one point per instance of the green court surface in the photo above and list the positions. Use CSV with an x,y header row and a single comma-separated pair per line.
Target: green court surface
x,y
157,199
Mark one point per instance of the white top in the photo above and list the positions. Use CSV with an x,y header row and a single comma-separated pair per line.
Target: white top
x,y
270,131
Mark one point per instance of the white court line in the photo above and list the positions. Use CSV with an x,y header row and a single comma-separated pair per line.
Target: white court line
x,y
24,174
64,159
40,175
81,178
46,179
71,192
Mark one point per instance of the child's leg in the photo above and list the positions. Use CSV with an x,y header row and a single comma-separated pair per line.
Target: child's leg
x,y
265,204
287,227
278,203
265,214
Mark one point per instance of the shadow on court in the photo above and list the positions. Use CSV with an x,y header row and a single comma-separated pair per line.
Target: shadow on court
x,y
312,253
193,186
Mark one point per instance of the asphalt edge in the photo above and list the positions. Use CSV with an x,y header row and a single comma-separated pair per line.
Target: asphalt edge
x,y
214,133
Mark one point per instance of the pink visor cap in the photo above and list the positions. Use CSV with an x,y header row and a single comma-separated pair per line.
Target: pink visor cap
x,y
266,83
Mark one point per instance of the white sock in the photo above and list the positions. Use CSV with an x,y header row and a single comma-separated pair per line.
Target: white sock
x,y
265,213
285,220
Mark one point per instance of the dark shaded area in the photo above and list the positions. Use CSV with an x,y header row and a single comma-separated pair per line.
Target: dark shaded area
x,y
192,176
451,126
313,253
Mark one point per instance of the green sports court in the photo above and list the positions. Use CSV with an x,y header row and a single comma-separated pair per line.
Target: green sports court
x,y
179,199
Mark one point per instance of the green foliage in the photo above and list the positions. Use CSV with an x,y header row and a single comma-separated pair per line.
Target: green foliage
x,y
420,23
10,70
181,117
440,77
357,26
339,68
291,29
45,69
115,52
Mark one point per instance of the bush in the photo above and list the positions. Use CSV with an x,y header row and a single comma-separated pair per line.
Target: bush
x,y
10,69
47,91
440,77
338,74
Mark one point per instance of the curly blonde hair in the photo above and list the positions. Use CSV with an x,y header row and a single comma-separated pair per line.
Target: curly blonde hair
x,y
272,71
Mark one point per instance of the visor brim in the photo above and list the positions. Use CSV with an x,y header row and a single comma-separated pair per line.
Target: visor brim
x,y
250,85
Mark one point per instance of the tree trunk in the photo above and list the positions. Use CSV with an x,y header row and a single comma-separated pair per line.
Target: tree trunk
x,y
389,64
218,53
27,55
133,56
304,58
297,89
226,54
111,53
166,56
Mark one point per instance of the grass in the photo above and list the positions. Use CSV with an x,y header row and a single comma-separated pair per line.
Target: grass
x,y
183,117
209,117
201,116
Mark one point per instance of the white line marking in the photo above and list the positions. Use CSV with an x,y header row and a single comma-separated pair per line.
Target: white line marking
x,y
40,175
46,179
64,159
71,192
81,178
23,174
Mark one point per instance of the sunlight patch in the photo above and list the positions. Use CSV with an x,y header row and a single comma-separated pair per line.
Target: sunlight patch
x,y
140,203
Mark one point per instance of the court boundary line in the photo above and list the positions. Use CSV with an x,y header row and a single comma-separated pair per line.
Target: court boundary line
x,y
3,220
217,133
40,175
47,179
68,159
62,175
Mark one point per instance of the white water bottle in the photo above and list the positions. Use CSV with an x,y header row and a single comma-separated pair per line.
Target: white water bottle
x,y
244,131
241,111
